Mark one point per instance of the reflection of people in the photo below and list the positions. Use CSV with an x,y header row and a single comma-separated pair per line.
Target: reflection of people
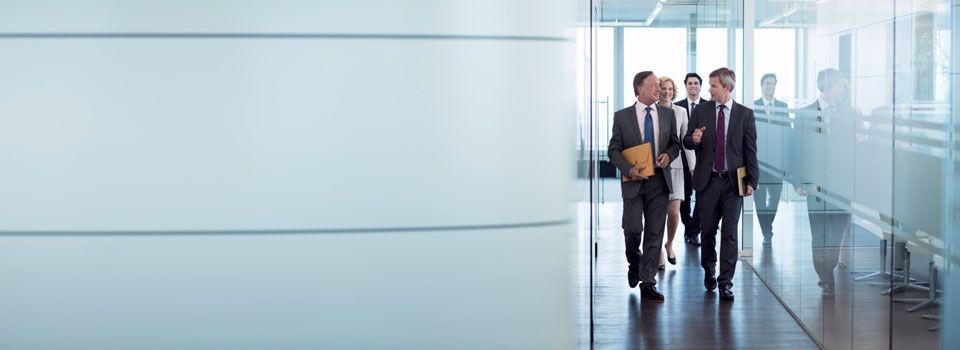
x,y
828,222
724,135
667,92
770,184
691,221
644,198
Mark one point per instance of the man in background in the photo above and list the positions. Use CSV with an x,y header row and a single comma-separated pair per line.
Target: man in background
x,y
691,221
767,198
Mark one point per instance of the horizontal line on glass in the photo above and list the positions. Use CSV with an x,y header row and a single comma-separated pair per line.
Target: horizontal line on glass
x,y
305,231
351,36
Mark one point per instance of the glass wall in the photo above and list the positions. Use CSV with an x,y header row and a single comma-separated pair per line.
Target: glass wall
x,y
637,44
856,144
853,226
622,47
594,93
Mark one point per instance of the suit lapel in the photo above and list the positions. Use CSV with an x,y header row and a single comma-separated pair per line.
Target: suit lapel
x,y
734,122
664,135
632,123
712,122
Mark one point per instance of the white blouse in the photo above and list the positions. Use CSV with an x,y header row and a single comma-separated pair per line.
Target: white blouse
x,y
681,115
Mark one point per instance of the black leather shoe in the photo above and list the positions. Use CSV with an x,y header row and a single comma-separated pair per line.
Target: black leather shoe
x,y
633,275
649,292
662,267
672,261
694,241
726,294
709,282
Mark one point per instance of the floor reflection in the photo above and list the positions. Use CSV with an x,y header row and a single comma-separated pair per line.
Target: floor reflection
x,y
855,316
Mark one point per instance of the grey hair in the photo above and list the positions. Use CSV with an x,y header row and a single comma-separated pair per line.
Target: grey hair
x,y
727,77
828,78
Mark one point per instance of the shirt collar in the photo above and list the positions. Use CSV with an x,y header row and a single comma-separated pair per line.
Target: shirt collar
x,y
823,104
729,105
641,106
766,101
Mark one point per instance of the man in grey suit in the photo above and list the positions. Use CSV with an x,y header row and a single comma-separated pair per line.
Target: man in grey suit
x,y
724,135
644,198
770,183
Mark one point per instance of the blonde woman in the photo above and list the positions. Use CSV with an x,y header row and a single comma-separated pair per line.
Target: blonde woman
x,y
667,93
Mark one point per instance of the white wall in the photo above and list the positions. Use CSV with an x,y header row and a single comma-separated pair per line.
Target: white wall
x,y
423,182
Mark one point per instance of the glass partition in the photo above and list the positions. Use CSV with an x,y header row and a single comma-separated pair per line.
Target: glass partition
x,y
853,101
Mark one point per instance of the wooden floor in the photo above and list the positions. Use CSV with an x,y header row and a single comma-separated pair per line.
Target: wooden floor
x,y
690,317
858,317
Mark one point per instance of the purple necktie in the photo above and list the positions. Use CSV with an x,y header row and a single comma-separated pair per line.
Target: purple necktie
x,y
718,159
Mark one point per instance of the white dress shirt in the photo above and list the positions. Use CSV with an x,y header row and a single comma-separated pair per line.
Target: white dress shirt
x,y
692,103
767,105
823,104
641,116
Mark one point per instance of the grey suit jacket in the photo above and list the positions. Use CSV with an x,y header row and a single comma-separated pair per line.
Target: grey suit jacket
x,y
839,122
767,177
776,103
626,134
741,143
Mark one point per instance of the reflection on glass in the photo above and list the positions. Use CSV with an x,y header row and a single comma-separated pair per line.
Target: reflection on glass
x,y
767,197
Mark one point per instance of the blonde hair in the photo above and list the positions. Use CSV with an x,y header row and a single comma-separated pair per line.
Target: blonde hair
x,y
665,79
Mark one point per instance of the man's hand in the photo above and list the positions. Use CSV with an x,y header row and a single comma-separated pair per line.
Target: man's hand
x,y
663,161
635,174
697,134
748,192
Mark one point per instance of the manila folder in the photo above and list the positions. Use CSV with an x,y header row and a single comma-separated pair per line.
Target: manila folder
x,y
637,155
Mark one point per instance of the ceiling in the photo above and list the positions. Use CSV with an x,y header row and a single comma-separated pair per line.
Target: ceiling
x,y
706,13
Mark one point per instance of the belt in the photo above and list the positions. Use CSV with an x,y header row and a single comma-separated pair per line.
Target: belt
x,y
720,175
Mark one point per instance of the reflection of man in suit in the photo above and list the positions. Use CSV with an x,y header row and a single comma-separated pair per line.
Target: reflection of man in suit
x,y
724,135
644,198
770,183
828,222
691,221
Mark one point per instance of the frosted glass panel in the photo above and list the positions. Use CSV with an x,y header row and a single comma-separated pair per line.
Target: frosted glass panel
x,y
420,151
391,17
225,134
286,291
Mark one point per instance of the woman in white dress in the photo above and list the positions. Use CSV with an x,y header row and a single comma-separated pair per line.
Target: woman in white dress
x,y
667,93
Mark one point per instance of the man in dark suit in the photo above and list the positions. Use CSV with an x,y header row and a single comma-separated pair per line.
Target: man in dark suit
x,y
770,183
644,198
828,222
724,135
691,222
